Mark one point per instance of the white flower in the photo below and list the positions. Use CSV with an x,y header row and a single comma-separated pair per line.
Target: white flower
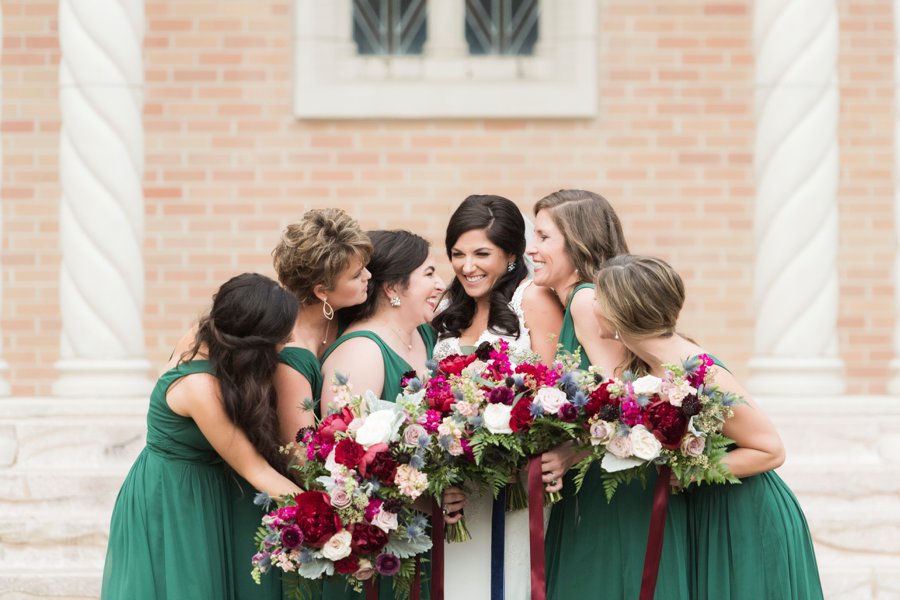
x,y
379,427
340,498
354,425
600,432
646,385
644,444
412,434
385,520
550,399
496,418
677,393
337,546
620,446
693,445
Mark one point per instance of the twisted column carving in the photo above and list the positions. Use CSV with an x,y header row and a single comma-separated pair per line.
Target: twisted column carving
x,y
4,368
796,221
102,208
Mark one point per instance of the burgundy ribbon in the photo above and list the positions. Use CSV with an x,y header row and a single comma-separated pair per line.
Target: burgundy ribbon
x,y
371,589
536,527
655,536
416,591
437,552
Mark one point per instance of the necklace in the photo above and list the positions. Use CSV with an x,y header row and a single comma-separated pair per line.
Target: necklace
x,y
400,338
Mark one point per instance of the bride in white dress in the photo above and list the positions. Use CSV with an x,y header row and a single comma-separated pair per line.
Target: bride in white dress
x,y
492,298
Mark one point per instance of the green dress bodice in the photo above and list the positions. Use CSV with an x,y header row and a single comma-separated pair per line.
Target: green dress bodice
x,y
567,338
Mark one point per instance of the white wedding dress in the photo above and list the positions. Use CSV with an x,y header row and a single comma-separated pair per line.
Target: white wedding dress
x,y
468,564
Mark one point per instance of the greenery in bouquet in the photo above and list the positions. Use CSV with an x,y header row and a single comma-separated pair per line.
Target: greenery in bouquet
x,y
356,518
638,423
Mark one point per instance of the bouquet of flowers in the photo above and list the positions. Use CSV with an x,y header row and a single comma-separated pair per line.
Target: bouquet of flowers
x,y
636,423
356,517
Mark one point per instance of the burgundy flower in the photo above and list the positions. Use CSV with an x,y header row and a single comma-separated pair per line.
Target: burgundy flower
x,y
291,537
368,539
439,394
373,508
347,565
387,564
383,468
334,423
483,351
568,412
598,399
455,363
348,453
315,518
404,379
520,419
667,423
501,395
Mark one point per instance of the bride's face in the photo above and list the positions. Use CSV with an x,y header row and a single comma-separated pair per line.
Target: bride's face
x,y
478,262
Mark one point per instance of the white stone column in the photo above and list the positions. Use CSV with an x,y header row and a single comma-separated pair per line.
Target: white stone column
x,y
894,381
4,368
102,208
446,29
796,222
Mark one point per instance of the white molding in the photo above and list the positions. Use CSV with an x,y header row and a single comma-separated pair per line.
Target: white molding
x,y
332,82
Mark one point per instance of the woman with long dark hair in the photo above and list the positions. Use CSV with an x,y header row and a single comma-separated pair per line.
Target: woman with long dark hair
x,y
491,298
213,408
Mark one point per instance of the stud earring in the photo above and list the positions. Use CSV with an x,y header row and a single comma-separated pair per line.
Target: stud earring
x,y
616,336
510,267
395,301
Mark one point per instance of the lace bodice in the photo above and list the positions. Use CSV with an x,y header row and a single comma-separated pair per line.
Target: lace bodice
x,y
520,348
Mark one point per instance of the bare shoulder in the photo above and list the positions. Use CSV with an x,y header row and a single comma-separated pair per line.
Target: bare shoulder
x,y
355,350
194,391
540,298
582,305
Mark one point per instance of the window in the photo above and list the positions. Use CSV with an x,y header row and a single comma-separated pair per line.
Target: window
x,y
361,59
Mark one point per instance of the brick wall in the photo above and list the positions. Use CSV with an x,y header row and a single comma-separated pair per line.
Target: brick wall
x,y
227,165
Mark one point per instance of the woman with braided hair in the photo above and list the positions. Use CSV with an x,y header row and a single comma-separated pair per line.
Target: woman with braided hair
x,y
212,411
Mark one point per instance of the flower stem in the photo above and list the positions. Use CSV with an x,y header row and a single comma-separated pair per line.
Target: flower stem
x,y
551,498
458,532
516,498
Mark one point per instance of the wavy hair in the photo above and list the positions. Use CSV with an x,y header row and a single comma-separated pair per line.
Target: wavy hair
x,y
590,226
504,226
250,316
317,249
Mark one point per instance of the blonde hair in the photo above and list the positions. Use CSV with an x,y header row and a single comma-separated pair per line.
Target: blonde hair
x,y
641,297
590,226
317,249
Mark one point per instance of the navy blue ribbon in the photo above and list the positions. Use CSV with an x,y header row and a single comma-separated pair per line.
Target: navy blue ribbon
x,y
498,535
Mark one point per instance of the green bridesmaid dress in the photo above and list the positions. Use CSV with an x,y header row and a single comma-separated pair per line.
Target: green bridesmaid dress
x,y
750,542
171,529
394,368
595,548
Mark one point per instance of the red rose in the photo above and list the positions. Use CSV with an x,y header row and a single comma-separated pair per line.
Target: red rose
x,y
598,399
667,423
334,423
347,565
348,453
315,518
520,418
455,363
383,468
368,539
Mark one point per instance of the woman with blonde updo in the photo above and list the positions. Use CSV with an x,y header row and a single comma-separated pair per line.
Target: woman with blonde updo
x,y
322,260
746,541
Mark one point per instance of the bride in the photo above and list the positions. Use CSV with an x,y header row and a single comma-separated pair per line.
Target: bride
x,y
492,298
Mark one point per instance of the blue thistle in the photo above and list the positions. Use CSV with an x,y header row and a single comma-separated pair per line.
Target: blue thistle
x,y
518,380
263,499
424,440
417,461
579,399
445,441
305,556
536,410
340,378
476,421
414,384
431,364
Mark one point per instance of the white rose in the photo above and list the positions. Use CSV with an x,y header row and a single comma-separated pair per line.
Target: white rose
x,y
644,444
496,418
337,546
646,385
412,434
620,446
340,498
600,432
354,425
379,427
550,399
385,520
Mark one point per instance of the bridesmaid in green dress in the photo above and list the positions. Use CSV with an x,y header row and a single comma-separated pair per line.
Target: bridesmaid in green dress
x,y
170,533
593,545
746,541
389,335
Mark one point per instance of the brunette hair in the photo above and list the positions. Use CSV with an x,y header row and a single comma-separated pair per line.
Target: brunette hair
x,y
250,316
590,226
504,226
397,253
640,296
317,249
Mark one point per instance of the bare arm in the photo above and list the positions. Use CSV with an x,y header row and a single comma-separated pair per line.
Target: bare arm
x,y
759,446
198,396
602,353
359,359
292,389
543,317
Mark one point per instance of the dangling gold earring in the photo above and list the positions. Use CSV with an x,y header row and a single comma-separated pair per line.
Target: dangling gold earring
x,y
616,336
327,310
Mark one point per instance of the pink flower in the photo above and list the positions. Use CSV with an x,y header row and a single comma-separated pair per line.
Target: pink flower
x,y
692,445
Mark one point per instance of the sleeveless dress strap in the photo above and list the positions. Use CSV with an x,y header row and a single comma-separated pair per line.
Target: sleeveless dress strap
x,y
304,362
